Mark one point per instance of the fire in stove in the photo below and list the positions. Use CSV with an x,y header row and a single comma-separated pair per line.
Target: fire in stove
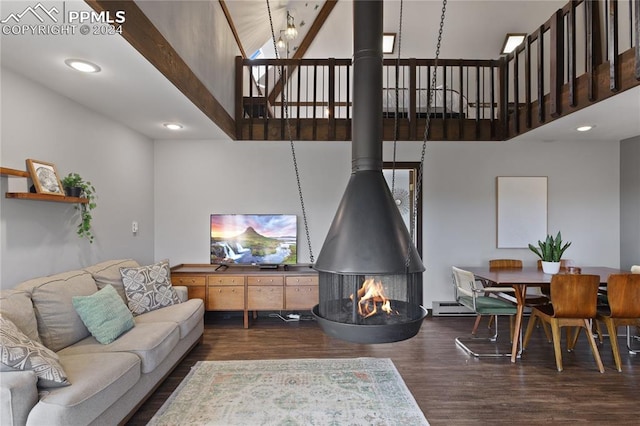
x,y
369,296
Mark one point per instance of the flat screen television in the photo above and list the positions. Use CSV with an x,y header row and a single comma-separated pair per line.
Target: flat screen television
x,y
254,239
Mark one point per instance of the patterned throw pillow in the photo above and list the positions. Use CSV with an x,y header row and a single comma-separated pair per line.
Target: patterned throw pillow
x,y
148,287
20,353
104,313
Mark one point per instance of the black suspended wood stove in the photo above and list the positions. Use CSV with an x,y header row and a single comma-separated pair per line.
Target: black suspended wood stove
x,y
370,273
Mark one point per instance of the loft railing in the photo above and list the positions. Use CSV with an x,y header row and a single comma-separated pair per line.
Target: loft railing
x,y
557,70
571,61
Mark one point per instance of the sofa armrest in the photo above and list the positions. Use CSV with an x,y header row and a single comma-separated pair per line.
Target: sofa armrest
x,y
183,292
18,395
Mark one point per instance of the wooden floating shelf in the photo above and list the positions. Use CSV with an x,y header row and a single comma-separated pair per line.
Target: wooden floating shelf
x,y
46,197
5,171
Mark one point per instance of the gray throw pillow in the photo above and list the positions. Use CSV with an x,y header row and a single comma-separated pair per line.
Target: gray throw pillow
x,y
20,353
148,287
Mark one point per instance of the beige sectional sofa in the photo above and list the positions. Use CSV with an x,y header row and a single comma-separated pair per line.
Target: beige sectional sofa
x,y
107,381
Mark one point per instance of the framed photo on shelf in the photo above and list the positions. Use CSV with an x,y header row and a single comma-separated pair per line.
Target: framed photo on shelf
x,y
45,177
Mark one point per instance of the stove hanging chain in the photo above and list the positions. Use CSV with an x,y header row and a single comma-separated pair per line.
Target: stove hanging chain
x,y
395,121
285,105
432,90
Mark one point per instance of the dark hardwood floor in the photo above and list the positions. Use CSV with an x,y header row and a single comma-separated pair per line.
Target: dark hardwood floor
x,y
450,387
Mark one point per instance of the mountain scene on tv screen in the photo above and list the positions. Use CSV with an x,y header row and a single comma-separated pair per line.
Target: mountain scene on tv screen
x,y
252,247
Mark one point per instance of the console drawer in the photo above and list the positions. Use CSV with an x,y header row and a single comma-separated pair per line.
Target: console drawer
x,y
226,280
302,280
265,297
225,298
265,280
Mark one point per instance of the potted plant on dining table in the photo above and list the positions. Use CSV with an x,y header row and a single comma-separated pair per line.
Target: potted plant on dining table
x,y
550,252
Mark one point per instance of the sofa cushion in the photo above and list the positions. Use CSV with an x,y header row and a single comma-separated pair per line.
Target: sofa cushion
x,y
187,315
104,313
16,305
108,273
19,352
151,342
58,323
148,287
99,380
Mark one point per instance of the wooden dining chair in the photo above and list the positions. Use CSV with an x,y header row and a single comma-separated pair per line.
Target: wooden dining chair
x,y
623,309
468,292
573,304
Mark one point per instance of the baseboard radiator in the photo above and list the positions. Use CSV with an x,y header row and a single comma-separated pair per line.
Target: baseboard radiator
x,y
450,309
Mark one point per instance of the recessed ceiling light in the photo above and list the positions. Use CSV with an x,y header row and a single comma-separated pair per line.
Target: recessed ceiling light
x,y
173,126
585,128
82,65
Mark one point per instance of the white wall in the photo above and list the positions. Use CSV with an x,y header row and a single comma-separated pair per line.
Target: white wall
x,y
196,179
630,202
201,33
38,237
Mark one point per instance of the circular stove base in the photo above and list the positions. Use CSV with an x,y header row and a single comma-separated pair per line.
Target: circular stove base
x,y
362,333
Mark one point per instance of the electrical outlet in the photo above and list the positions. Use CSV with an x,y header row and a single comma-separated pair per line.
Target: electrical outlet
x,y
134,227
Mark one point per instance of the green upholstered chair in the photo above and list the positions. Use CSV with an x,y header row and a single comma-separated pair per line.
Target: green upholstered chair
x,y
475,296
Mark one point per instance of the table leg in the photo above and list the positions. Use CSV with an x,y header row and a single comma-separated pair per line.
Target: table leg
x,y
521,291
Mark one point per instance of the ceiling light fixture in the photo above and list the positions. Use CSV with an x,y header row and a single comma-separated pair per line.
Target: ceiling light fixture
x,y
511,41
280,44
173,126
291,32
388,42
82,65
585,128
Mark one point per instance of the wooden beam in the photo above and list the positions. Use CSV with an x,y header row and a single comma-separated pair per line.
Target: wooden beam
x,y
306,43
140,32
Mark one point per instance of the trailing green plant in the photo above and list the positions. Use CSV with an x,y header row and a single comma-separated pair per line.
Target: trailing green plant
x,y
551,250
74,180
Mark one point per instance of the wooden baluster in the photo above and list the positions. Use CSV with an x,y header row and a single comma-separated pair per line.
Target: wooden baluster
x,y
612,43
516,92
315,101
527,82
461,115
572,55
540,71
557,63
413,114
477,121
332,99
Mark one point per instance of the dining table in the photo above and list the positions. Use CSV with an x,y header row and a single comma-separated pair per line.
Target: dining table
x,y
520,279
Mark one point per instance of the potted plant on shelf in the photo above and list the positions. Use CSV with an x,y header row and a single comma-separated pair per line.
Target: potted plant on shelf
x,y
550,252
75,186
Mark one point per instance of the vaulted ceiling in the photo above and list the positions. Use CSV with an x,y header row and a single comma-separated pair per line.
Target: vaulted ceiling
x,y
132,91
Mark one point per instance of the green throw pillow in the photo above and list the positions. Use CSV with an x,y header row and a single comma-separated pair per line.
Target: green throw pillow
x,y
105,314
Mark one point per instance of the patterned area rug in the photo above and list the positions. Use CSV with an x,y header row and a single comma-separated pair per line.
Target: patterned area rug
x,y
353,391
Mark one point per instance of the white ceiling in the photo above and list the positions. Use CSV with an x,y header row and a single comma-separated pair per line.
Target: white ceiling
x,y
131,91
